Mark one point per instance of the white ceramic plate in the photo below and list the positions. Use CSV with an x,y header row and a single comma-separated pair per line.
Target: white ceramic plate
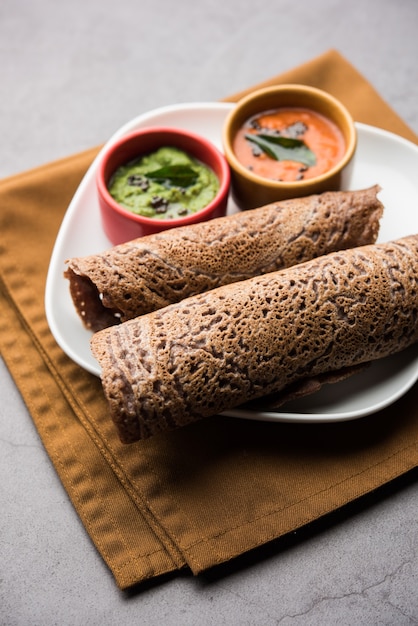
x,y
381,157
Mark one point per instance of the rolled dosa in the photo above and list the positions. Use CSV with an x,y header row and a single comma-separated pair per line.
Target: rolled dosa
x,y
215,351
153,271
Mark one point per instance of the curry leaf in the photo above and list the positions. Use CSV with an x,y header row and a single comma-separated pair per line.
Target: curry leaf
x,y
174,175
283,148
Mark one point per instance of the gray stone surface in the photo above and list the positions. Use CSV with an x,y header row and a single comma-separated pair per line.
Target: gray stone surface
x,y
71,73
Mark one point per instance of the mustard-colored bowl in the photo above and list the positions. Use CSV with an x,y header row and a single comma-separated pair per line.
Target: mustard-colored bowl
x,y
250,189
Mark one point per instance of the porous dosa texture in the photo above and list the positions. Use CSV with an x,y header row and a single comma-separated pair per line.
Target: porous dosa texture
x,y
149,273
215,351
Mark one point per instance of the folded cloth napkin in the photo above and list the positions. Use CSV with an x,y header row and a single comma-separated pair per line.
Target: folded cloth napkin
x,y
206,493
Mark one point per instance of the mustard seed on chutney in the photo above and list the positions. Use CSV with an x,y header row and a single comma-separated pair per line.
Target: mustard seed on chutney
x,y
289,144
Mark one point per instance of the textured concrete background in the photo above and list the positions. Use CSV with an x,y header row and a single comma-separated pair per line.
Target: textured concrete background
x,y
71,73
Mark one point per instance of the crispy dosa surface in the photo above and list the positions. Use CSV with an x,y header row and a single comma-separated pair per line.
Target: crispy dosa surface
x,y
149,273
215,351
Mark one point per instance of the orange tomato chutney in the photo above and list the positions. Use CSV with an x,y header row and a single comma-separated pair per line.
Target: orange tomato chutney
x,y
320,135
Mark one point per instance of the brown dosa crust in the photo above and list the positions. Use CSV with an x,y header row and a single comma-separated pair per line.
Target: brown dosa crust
x,y
149,273
215,351
302,388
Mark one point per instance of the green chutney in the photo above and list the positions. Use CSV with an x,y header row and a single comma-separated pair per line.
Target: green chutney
x,y
166,184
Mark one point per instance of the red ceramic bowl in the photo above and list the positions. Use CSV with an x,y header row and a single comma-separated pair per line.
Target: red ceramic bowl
x,y
122,225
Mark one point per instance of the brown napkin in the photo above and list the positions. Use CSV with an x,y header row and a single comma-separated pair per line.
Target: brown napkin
x,y
203,494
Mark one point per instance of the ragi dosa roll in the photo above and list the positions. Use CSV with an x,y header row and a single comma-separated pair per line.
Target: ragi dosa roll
x,y
215,351
151,272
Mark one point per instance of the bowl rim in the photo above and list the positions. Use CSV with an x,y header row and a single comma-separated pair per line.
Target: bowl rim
x,y
216,154
320,94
